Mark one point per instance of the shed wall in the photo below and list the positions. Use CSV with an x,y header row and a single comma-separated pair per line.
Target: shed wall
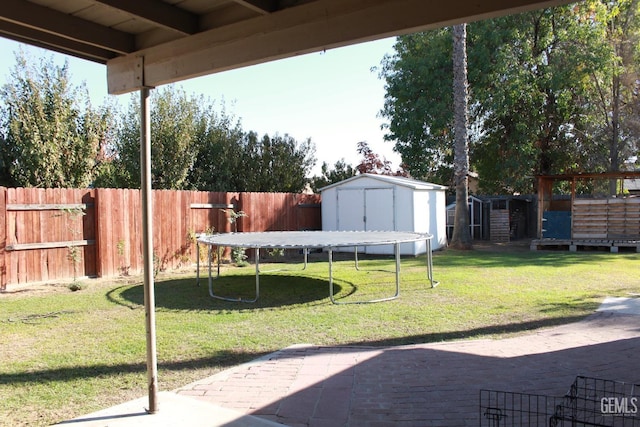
x,y
413,210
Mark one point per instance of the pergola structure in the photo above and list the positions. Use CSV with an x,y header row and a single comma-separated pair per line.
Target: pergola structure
x,y
147,43
547,203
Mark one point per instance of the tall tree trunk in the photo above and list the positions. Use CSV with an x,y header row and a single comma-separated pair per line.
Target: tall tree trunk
x,y
461,238
614,143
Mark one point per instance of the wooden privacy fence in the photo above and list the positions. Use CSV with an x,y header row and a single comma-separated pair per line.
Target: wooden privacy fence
x,y
53,234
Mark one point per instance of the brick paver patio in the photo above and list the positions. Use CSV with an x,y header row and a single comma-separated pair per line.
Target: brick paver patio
x,y
422,385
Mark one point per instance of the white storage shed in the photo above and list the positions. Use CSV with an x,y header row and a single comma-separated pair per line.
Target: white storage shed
x,y
370,202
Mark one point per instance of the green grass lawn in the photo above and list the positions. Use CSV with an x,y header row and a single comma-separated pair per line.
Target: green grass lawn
x,y
67,353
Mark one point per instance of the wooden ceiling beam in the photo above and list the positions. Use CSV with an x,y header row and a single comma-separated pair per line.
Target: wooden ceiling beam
x,y
58,24
305,28
263,7
159,13
54,43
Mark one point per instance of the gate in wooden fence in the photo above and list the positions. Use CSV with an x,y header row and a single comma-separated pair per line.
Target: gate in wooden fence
x,y
54,234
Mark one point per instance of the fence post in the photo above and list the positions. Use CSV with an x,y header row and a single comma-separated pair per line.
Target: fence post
x,y
3,238
102,204
240,207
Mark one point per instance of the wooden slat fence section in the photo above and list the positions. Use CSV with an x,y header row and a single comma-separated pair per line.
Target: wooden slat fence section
x,y
308,212
606,218
3,239
33,228
624,218
279,211
119,232
205,211
46,225
265,211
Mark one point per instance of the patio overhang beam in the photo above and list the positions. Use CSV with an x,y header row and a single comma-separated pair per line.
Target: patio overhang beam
x,y
306,28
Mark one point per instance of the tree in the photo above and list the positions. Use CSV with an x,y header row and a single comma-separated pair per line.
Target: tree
x,y
536,98
341,171
278,163
616,124
173,140
52,135
371,162
461,238
195,147
219,162
418,103
529,99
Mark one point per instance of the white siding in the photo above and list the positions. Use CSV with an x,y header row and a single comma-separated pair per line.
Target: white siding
x,y
374,202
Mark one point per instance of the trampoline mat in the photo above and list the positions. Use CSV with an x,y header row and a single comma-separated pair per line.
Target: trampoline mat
x,y
311,239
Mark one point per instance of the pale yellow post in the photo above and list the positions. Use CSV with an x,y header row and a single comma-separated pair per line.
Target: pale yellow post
x,y
147,248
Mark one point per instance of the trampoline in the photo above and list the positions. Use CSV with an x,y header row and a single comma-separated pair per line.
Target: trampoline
x,y
305,240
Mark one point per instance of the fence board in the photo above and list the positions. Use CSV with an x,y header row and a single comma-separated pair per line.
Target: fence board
x,y
40,220
42,271
606,218
54,232
35,222
279,211
309,212
3,239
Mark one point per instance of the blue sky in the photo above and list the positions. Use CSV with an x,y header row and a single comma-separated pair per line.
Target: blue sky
x,y
332,97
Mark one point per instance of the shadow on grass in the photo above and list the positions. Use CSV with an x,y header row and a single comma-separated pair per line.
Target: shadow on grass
x,y
474,333
489,259
222,359
185,294
227,359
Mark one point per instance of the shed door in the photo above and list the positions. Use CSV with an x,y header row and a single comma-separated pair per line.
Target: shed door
x,y
370,209
366,209
379,216
379,209
350,209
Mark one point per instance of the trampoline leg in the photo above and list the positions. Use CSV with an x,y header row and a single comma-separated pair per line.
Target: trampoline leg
x,y
305,251
356,258
213,295
257,276
394,296
430,265
210,279
197,263
397,250
330,252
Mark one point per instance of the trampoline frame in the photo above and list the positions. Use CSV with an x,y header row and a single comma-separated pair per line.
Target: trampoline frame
x,y
306,240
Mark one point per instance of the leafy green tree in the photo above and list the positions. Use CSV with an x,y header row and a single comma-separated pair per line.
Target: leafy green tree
x,y
419,103
529,108
219,161
537,98
278,163
194,147
616,121
52,135
341,171
174,118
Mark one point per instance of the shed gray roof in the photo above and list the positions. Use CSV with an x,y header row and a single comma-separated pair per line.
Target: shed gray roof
x,y
391,180
632,184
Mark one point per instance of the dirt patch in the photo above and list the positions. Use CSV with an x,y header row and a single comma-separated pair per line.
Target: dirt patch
x,y
514,246
33,289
